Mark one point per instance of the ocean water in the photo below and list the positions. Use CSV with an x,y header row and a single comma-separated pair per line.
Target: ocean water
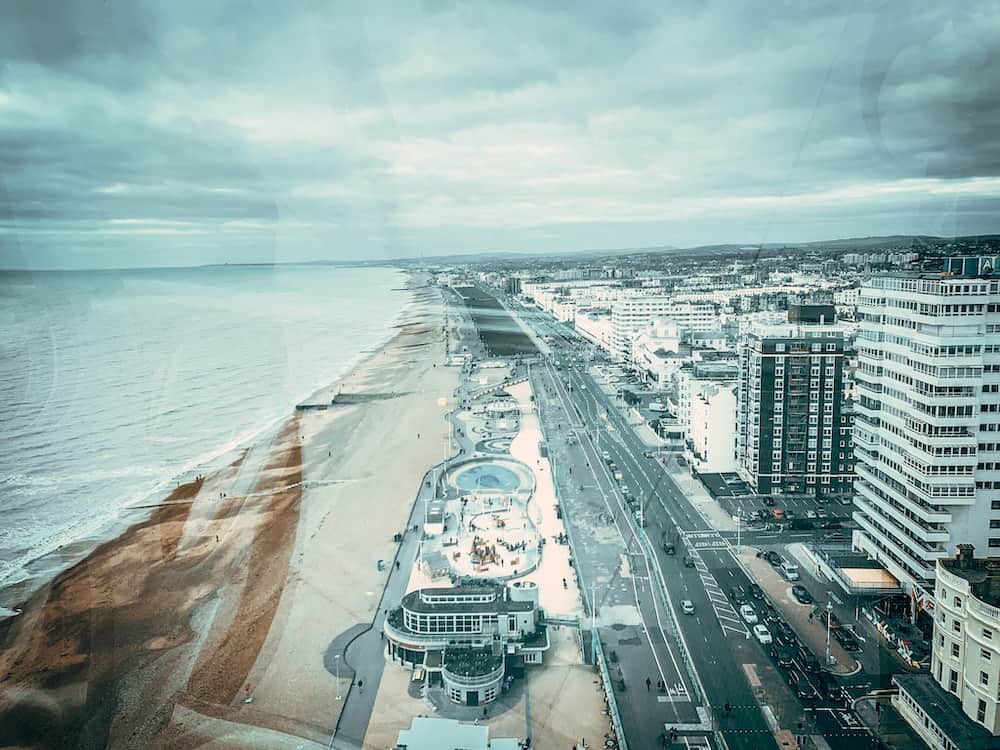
x,y
115,384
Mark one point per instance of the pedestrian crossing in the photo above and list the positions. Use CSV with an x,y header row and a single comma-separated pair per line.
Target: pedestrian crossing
x,y
729,619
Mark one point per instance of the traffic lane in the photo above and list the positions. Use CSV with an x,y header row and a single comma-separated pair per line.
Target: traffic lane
x,y
646,599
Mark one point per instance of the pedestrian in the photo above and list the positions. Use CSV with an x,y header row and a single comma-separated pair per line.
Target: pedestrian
x,y
648,683
361,686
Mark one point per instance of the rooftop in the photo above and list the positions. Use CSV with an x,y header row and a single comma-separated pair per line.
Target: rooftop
x,y
982,573
946,711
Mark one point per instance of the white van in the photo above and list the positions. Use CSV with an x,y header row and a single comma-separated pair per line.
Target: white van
x,y
789,570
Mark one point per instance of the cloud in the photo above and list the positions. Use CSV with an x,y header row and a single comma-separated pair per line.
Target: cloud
x,y
227,131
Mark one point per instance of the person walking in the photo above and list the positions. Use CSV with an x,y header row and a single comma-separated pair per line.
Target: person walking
x,y
648,683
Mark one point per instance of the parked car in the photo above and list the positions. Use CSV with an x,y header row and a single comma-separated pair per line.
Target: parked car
x,y
811,514
762,634
688,561
747,613
738,595
778,514
801,594
756,591
773,557
768,500
687,607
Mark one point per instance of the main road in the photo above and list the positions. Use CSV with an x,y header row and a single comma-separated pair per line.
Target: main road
x,y
714,634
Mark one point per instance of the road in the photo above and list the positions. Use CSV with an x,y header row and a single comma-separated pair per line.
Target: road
x,y
715,636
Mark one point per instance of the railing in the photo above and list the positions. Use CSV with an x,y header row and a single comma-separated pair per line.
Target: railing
x,y
472,681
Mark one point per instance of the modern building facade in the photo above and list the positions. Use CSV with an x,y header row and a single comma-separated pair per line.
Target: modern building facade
x,y
632,313
467,638
955,707
793,424
927,431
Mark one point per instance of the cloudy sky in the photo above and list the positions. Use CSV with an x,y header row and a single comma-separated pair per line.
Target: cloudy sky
x,y
141,132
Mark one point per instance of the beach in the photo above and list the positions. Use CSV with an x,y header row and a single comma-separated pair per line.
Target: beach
x,y
209,622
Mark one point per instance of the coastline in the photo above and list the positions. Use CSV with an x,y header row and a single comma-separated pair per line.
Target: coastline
x,y
43,567
153,638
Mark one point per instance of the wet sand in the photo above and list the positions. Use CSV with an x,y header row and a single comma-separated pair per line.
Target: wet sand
x,y
157,636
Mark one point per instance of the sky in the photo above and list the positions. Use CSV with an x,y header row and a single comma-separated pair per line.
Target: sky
x,y
149,133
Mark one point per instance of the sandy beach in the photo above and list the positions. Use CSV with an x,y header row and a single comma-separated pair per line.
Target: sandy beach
x,y
209,623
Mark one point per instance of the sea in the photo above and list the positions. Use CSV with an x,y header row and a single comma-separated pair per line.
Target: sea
x,y
114,385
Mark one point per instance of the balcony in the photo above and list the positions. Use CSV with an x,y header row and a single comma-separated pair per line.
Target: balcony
x,y
927,537
874,488
472,668
921,565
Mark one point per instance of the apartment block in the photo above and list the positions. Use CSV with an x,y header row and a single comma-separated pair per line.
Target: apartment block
x,y
793,423
927,432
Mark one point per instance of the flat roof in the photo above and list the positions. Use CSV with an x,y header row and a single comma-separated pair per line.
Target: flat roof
x,y
982,573
945,710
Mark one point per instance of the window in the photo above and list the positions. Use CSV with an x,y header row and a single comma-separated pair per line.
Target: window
x,y
987,634
984,678
956,626
995,523
985,655
994,541
957,601
954,650
953,681
981,712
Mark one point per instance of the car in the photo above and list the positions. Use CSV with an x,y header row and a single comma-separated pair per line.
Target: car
x,y
800,685
783,655
756,591
762,515
687,607
738,595
801,594
748,614
762,634
772,617
769,501
807,660
773,557
790,514
605,455
688,561
777,514
811,514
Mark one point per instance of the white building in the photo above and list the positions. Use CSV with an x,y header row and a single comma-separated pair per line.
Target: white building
x,y
631,314
464,636
435,733
713,428
956,706
927,432
595,326
705,369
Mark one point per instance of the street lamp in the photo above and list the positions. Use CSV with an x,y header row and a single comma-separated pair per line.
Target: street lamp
x,y
829,611
336,660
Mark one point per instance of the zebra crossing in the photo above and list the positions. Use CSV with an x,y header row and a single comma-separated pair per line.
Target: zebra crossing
x,y
729,619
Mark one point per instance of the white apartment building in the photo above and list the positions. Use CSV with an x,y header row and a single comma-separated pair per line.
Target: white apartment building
x,y
705,369
927,430
712,445
957,706
632,313
595,326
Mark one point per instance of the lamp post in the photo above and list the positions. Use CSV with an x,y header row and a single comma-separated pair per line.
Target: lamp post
x,y
336,660
829,611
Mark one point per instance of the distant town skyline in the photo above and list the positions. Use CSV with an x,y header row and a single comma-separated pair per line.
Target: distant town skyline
x,y
152,134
